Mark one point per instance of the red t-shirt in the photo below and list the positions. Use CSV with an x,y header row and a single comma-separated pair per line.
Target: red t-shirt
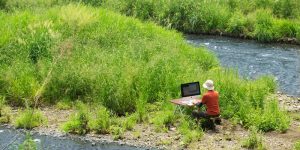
x,y
211,100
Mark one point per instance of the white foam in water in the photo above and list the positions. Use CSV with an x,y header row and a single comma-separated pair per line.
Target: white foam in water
x,y
206,43
37,140
1,131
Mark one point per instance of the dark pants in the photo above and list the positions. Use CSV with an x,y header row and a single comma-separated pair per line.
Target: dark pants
x,y
198,115
201,114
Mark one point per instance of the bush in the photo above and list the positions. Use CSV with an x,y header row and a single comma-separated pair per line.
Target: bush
x,y
29,118
254,140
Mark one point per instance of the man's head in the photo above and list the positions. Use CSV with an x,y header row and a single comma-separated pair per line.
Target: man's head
x,y
209,85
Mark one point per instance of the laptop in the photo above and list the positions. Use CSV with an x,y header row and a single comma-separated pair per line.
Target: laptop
x,y
189,92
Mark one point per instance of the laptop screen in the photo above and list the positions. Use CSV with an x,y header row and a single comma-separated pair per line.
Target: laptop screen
x,y
190,89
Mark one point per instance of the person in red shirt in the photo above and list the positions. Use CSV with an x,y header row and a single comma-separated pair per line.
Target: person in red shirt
x,y
211,100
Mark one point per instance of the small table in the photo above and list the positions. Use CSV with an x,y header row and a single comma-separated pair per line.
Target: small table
x,y
184,102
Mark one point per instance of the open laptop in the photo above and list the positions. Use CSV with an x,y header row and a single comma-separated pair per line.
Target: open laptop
x,y
190,91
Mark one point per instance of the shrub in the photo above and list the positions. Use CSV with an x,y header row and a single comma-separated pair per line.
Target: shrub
x,y
101,121
254,140
29,118
28,144
78,122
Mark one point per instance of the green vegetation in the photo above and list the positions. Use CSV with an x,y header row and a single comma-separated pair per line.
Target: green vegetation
x,y
254,141
64,104
101,121
264,20
297,145
79,121
128,68
190,131
5,111
28,144
29,119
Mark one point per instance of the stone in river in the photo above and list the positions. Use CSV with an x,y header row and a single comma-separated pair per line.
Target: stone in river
x,y
37,140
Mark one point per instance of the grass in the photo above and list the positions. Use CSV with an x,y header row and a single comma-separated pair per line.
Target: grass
x,y
28,144
297,145
29,119
79,121
254,141
190,131
5,111
101,121
125,65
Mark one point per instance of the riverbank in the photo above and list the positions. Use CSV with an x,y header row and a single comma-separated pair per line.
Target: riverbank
x,y
229,135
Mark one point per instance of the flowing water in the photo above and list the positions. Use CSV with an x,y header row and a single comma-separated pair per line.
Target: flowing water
x,y
11,138
254,59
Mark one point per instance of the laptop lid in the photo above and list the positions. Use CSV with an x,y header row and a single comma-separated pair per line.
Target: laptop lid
x,y
190,89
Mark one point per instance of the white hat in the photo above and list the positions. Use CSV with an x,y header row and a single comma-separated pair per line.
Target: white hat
x,y
209,85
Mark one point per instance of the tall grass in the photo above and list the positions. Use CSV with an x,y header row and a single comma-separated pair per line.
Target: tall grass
x,y
216,17
95,55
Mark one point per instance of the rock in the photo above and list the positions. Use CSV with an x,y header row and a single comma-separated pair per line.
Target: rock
x,y
173,129
228,138
37,140
177,138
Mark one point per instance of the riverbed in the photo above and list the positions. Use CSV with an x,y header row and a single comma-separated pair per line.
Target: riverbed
x,y
253,59
10,139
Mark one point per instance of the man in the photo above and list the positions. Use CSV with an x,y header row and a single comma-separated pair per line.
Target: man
x,y
210,99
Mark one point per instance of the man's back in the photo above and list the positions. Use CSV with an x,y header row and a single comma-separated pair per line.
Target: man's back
x,y
211,100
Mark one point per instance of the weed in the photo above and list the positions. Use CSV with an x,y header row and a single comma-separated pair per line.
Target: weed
x,y
189,130
118,132
28,144
101,121
297,145
64,104
29,119
254,140
78,122
130,122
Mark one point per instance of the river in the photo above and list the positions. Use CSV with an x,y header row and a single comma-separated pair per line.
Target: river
x,y
253,59
11,138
